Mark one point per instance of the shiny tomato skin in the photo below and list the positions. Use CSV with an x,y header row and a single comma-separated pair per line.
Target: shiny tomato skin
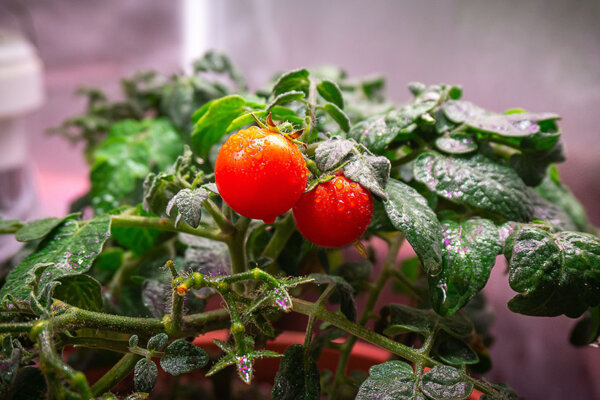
x,y
260,174
334,213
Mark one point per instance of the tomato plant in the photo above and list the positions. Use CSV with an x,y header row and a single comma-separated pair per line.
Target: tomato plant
x,y
260,173
145,271
334,213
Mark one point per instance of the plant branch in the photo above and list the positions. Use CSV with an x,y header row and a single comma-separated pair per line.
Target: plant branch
x,y
116,374
220,219
283,231
165,224
388,266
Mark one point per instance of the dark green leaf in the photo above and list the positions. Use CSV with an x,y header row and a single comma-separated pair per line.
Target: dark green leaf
x,y
286,97
157,342
71,248
110,259
188,204
212,124
454,351
587,329
156,297
133,341
355,273
392,380
81,291
478,182
8,368
456,143
555,273
445,383
331,92
531,165
399,319
293,80
331,153
378,131
554,191
39,229
409,213
503,126
338,116
549,212
144,375
470,250
296,379
182,357
343,290
372,172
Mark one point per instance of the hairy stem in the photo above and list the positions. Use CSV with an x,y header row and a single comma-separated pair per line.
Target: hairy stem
x,y
388,267
116,374
220,219
283,231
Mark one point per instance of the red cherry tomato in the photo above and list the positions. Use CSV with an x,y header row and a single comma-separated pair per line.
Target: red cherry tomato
x,y
260,174
334,213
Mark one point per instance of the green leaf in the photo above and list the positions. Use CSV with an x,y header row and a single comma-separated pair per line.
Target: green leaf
x,y
445,383
9,225
506,392
286,97
549,212
372,172
331,153
399,319
278,113
555,273
390,380
378,131
409,213
587,329
124,158
140,240
144,375
338,116
296,379
213,123
293,80
331,92
133,341
343,291
454,351
456,143
531,165
71,248
463,111
182,357
157,342
39,229
478,182
470,250
188,204
81,291
554,191
213,61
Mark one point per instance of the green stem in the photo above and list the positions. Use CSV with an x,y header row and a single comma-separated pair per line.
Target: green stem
x,y
236,243
406,352
117,346
52,364
16,327
388,266
116,374
220,219
283,231
174,321
165,224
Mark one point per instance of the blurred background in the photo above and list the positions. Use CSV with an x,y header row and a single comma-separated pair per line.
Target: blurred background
x,y
541,55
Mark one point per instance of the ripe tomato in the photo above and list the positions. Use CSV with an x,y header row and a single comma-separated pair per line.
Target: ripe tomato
x,y
334,213
260,174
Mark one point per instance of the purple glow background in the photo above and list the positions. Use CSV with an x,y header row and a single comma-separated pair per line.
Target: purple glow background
x,y
539,55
